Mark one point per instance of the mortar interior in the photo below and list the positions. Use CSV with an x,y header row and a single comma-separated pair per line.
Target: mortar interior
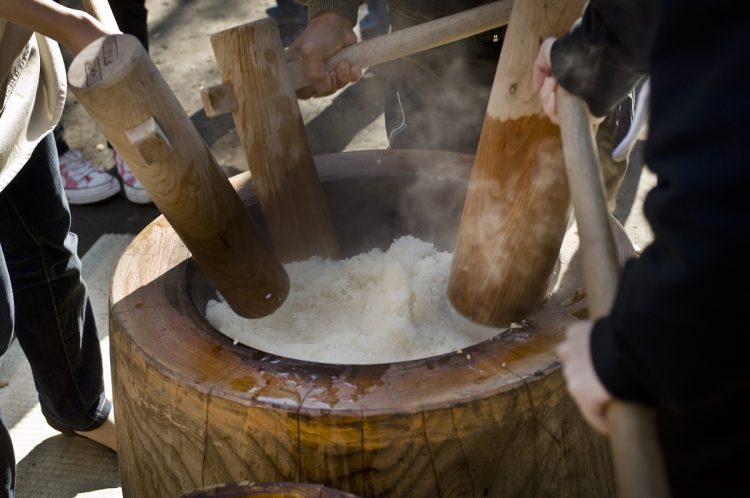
x,y
376,197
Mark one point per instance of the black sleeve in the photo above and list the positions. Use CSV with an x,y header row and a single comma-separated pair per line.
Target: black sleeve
x,y
607,51
677,332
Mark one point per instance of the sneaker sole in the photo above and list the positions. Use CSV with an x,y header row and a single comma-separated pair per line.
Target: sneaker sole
x,y
136,195
91,195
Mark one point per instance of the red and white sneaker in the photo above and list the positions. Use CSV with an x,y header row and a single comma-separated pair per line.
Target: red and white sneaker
x,y
83,182
134,191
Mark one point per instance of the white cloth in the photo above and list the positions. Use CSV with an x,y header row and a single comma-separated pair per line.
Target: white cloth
x,y
33,91
639,127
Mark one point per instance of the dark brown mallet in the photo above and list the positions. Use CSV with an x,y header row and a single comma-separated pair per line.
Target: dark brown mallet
x,y
517,205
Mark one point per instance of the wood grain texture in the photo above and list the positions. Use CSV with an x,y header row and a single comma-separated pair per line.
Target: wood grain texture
x,y
493,420
119,86
218,100
517,205
269,123
636,451
268,490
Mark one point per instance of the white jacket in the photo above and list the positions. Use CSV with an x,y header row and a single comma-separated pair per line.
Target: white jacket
x,y
32,95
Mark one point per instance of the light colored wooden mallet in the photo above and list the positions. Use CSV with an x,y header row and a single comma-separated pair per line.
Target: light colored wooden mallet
x,y
517,204
637,457
119,86
259,89
270,127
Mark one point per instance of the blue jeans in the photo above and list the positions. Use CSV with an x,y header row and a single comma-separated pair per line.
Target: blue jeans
x,y
45,303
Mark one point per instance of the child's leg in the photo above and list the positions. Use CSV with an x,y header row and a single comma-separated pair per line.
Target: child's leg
x,y
54,322
7,457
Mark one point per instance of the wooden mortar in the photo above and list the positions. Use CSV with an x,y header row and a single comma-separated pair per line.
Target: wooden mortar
x,y
272,490
493,420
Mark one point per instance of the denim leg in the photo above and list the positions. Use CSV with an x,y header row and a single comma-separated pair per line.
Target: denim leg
x,y
7,456
54,321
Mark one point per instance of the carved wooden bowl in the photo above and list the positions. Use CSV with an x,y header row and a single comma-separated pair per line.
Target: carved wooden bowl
x,y
493,420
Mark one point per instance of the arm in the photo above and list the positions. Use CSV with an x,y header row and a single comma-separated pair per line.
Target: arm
x,y
330,29
668,338
601,58
73,28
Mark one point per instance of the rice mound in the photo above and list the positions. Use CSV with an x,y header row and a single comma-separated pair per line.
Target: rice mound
x,y
375,307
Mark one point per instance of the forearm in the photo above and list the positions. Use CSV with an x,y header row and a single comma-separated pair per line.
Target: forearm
x,y
606,53
70,27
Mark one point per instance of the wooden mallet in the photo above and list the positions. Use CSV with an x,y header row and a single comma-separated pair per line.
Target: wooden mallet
x,y
259,89
637,457
119,86
517,204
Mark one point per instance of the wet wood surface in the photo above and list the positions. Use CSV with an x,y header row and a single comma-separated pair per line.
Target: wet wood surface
x,y
274,490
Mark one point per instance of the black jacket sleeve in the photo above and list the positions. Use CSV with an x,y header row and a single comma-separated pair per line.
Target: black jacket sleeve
x,y
676,335
607,52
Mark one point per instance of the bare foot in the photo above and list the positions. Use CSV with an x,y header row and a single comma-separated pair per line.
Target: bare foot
x,y
104,434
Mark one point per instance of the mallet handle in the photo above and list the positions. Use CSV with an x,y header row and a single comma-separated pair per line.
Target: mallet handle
x,y
220,99
409,41
639,466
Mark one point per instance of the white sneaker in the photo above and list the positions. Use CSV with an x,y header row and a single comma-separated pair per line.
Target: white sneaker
x,y
134,191
83,182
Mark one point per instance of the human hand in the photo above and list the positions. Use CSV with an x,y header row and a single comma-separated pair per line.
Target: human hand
x,y
544,83
323,37
71,27
583,384
88,30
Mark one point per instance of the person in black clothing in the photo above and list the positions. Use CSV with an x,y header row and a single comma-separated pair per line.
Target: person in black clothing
x,y
667,341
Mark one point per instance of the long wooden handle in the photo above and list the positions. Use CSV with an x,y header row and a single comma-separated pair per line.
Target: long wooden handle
x,y
409,41
102,11
220,99
639,465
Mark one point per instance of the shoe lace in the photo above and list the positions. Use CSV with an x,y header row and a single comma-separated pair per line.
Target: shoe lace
x,y
125,172
75,167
